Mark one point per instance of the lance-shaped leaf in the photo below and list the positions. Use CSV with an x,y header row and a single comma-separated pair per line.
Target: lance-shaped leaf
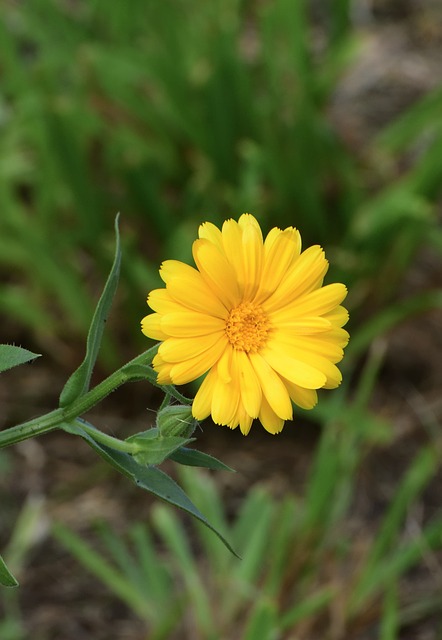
x,y
12,356
6,577
78,383
149,478
195,458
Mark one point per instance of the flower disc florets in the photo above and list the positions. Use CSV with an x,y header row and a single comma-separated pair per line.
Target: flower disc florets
x,y
247,327
255,318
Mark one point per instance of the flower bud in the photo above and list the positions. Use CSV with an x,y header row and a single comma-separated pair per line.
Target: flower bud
x,y
176,420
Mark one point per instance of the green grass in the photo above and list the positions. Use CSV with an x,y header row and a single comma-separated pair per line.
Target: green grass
x,y
301,565
174,113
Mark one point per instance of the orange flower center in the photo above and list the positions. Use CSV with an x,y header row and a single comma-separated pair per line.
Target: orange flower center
x,y
247,327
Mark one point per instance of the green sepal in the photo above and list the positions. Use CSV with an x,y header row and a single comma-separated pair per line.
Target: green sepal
x,y
78,383
12,356
176,420
195,458
6,577
149,478
155,448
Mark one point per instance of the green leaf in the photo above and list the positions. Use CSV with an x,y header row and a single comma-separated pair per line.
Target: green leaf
x,y
195,458
6,577
78,383
149,478
12,356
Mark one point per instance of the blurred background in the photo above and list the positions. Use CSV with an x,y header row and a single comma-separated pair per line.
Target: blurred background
x,y
322,115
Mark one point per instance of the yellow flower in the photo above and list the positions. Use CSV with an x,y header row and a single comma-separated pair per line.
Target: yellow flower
x,y
255,318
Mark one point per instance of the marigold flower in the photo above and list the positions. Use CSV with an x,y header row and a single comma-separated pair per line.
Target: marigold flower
x,y
255,318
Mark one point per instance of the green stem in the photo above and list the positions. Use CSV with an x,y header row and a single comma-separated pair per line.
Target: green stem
x,y
35,427
109,441
53,419
166,401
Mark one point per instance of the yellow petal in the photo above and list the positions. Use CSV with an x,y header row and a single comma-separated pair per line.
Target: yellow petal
x,y
232,243
253,257
272,387
339,336
202,404
321,344
305,274
310,325
274,235
338,316
269,419
277,260
224,365
189,324
327,343
210,232
251,393
247,220
315,303
245,422
151,327
225,402
330,370
304,398
179,349
163,370
297,371
333,382
160,301
187,286
193,368
243,247
217,272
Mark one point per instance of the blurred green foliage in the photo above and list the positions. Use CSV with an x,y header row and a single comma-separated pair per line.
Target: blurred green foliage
x,y
178,112
301,572
313,564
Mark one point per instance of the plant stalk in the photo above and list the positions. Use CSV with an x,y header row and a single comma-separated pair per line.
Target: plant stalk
x,y
53,419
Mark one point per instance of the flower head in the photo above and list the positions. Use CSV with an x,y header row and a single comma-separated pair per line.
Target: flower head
x,y
255,318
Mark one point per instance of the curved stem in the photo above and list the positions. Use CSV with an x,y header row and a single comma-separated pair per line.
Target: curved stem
x,y
104,438
31,428
53,419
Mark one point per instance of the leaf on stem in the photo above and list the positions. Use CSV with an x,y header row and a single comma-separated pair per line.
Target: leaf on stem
x,y
78,383
12,356
195,458
149,478
6,577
